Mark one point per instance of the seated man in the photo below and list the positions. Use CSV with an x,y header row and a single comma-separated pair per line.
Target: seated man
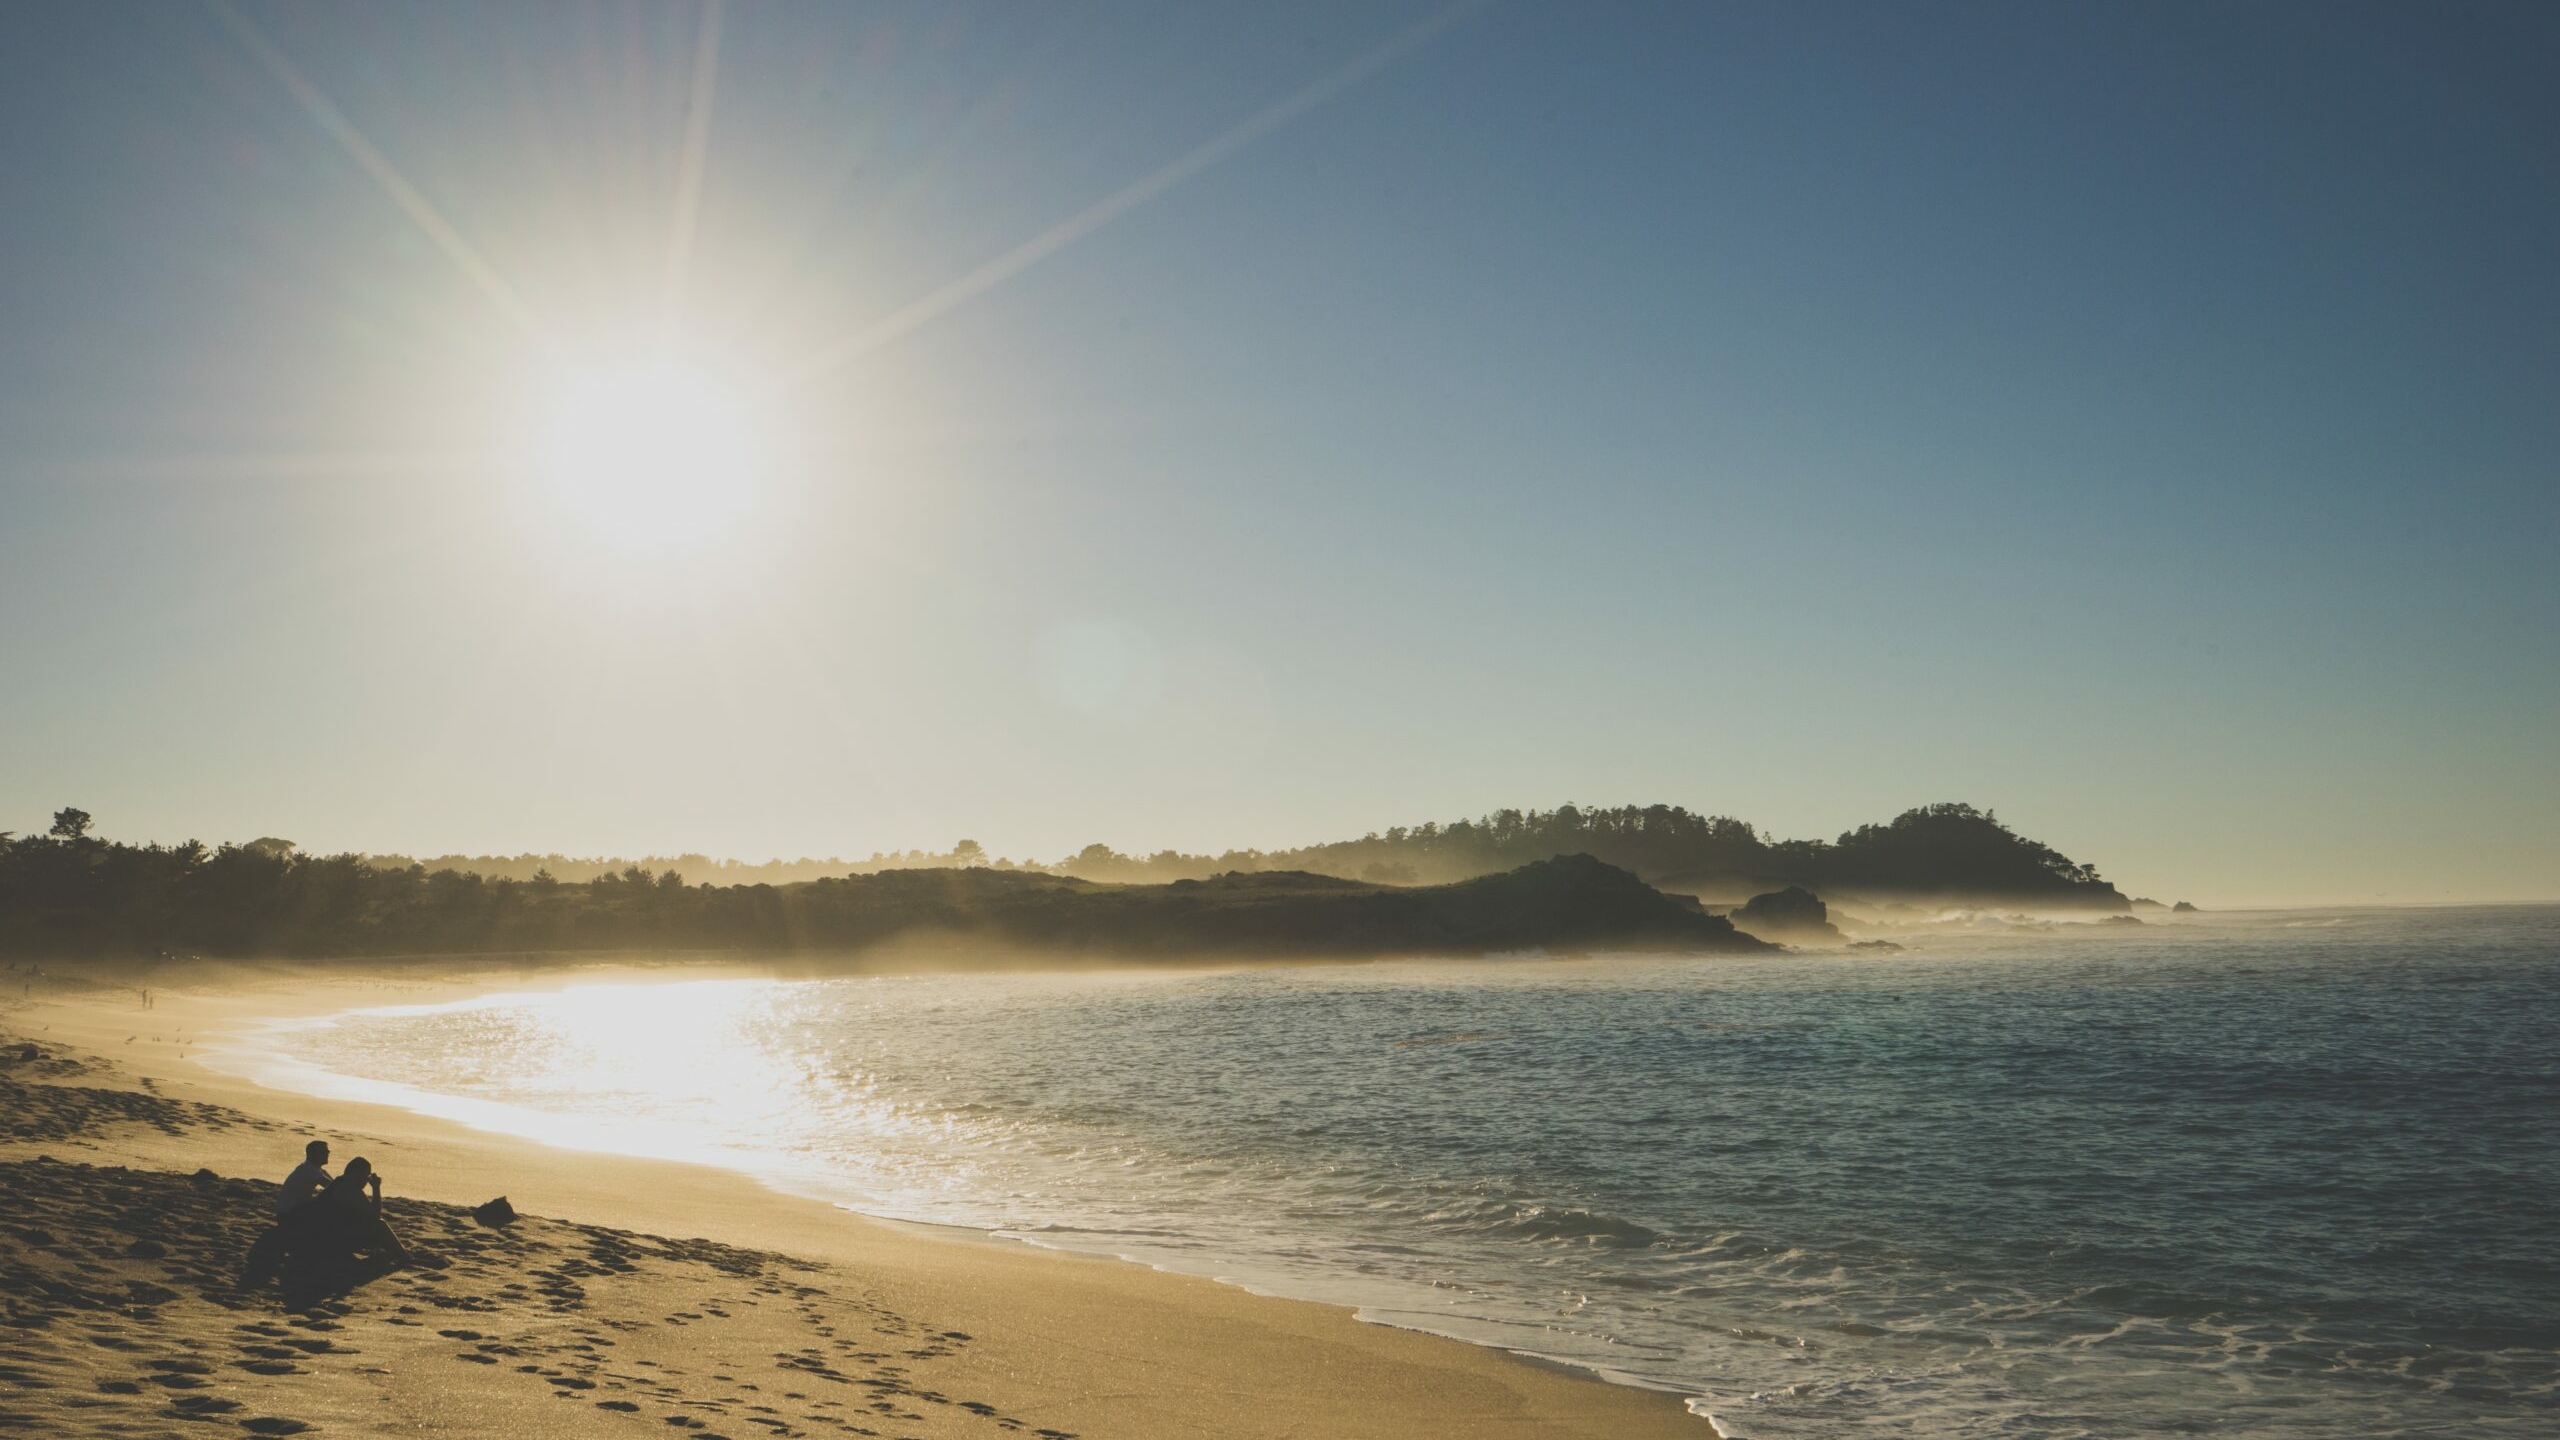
x,y
307,1180
348,1216
298,1224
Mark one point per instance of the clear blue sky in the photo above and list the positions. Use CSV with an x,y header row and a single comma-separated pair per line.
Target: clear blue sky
x,y
2139,419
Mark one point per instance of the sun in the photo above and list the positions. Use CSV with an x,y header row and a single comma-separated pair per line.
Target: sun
x,y
649,453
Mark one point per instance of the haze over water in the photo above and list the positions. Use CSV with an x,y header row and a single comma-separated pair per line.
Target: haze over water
x,y
2275,1175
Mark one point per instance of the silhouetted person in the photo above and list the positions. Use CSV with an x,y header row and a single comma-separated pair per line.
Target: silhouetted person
x,y
298,1228
307,1180
347,1216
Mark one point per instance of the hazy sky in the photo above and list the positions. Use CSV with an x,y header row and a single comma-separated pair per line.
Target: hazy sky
x,y
1219,425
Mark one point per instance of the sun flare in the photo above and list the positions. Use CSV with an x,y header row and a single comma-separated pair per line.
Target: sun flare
x,y
652,452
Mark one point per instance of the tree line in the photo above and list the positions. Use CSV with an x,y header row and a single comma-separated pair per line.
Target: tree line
x,y
1950,849
69,891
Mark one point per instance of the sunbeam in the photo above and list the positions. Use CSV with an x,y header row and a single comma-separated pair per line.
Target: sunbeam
x,y
1387,731
384,173
697,144
923,311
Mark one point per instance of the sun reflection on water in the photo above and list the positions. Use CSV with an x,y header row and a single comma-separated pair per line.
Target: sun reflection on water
x,y
743,1074
703,1070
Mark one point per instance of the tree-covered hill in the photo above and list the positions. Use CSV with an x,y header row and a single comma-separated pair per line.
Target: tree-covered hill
x,y
1951,853
1937,853
69,894
68,891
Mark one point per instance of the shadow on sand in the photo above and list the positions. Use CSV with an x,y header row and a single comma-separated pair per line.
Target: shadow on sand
x,y
305,1280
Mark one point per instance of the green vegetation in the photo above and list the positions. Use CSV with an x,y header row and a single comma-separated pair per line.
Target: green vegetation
x,y
68,893
1512,880
1936,852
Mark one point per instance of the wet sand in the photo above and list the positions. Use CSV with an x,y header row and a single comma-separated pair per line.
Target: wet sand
x,y
132,1179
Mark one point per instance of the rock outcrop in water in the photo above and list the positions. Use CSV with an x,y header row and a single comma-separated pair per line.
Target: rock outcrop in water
x,y
1793,916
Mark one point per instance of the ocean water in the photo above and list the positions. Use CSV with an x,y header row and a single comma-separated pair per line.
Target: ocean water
x,y
2268,1175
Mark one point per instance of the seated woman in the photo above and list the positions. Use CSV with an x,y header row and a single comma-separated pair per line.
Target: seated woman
x,y
347,1218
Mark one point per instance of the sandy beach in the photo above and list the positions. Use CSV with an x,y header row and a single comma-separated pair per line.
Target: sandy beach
x,y
635,1297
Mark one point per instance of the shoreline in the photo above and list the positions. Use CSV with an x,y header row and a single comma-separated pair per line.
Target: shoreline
x,y
1152,1352
528,1125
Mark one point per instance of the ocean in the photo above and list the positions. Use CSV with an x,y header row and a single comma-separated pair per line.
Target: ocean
x,y
2273,1174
